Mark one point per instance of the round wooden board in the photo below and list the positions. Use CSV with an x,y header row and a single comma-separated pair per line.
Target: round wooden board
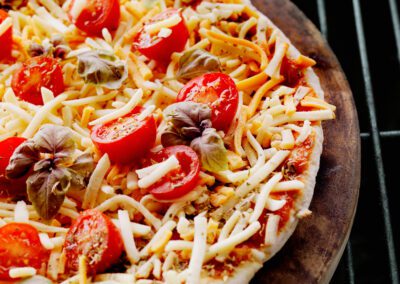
x,y
313,252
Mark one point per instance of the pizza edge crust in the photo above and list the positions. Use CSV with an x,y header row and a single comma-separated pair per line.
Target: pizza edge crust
x,y
246,271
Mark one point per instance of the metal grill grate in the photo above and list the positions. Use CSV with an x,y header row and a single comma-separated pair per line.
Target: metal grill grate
x,y
357,30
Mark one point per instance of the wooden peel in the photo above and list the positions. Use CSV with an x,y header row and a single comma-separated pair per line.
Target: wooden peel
x,y
311,255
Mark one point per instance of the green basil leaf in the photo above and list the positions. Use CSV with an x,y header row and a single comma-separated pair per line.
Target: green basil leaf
x,y
23,158
197,62
47,189
171,136
186,121
56,140
81,170
102,68
211,149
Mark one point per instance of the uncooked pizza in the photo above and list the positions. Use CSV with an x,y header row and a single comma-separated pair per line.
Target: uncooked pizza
x,y
151,141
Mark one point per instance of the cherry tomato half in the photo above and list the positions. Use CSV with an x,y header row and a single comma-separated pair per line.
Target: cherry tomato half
x,y
96,15
95,236
35,73
161,48
218,91
10,187
180,181
5,38
20,246
125,139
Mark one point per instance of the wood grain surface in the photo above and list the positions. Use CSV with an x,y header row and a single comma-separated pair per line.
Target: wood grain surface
x,y
313,252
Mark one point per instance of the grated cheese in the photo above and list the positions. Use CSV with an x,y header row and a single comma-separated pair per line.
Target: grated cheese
x,y
148,178
271,229
22,272
21,214
198,251
95,182
127,237
262,197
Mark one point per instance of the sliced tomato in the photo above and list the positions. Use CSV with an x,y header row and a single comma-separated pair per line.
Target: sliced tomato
x,y
5,38
126,139
95,236
161,48
10,187
180,181
95,15
35,73
20,246
218,91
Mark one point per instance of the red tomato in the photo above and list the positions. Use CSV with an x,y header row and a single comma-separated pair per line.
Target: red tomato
x,y
96,15
160,48
7,148
180,181
125,139
219,92
5,38
94,235
37,72
20,246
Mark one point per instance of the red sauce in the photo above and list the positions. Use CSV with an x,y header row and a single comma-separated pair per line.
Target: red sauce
x,y
299,158
257,240
292,72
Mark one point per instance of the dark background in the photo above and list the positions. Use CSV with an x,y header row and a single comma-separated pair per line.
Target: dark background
x,y
366,257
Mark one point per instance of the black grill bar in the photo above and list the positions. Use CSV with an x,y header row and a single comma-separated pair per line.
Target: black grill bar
x,y
321,7
383,134
322,18
350,266
396,24
376,140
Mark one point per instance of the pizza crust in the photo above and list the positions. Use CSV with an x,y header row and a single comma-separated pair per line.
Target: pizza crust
x,y
246,271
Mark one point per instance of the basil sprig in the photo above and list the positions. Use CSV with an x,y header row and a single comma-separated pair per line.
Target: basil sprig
x,y
189,123
194,63
101,67
49,160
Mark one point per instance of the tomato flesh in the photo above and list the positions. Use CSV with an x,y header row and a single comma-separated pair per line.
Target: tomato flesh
x,y
5,38
10,187
218,91
98,14
291,72
180,181
35,73
126,139
161,48
20,246
95,236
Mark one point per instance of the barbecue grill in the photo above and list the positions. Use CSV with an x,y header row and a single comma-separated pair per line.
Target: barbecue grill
x,y
365,35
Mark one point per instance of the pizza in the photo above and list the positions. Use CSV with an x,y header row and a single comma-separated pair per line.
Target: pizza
x,y
151,141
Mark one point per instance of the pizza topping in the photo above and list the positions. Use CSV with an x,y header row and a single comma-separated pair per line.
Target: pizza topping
x,y
20,247
94,236
5,35
197,62
50,157
91,16
35,74
201,121
190,124
127,138
102,68
219,92
150,44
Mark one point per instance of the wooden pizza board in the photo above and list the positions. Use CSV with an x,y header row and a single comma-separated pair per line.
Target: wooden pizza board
x,y
313,252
